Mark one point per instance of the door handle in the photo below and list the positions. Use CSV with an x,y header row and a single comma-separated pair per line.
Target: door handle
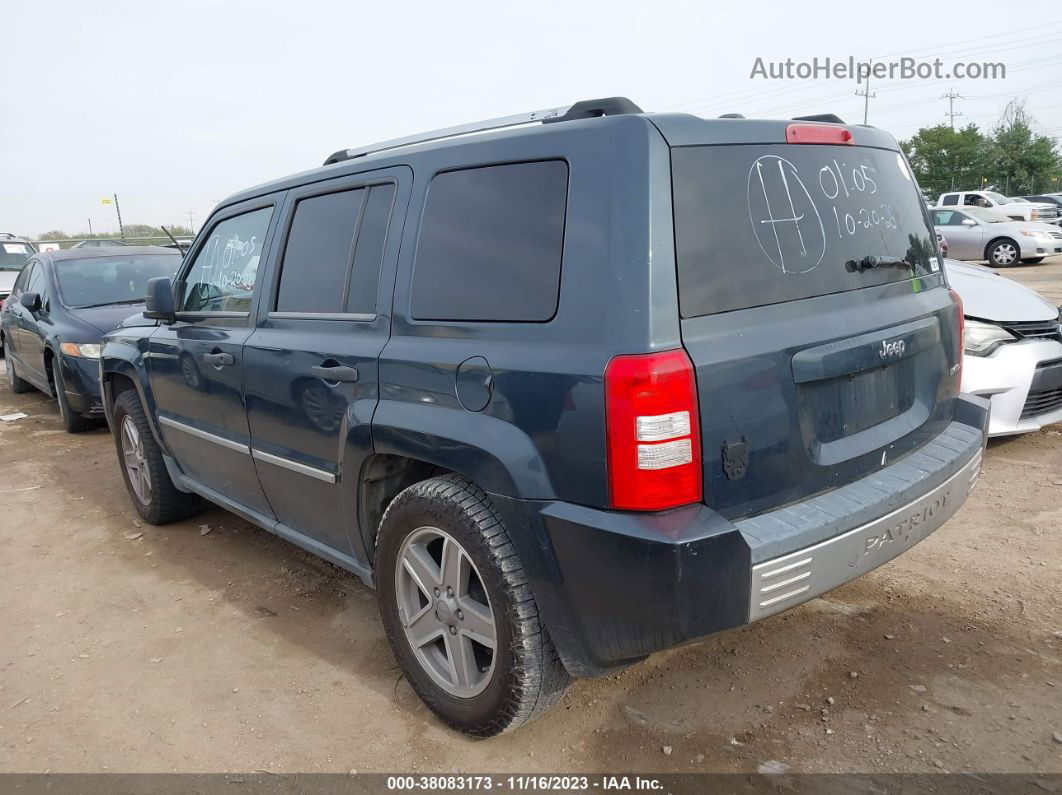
x,y
348,374
219,359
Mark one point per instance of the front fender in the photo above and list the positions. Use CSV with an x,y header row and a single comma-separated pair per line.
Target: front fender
x,y
492,453
124,356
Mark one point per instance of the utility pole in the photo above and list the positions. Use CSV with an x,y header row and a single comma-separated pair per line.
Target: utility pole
x,y
191,221
118,209
951,96
90,227
866,95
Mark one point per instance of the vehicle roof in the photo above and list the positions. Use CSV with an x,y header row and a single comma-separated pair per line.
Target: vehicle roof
x,y
678,129
105,251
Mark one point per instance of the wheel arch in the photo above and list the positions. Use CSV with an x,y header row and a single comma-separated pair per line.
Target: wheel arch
x,y
118,376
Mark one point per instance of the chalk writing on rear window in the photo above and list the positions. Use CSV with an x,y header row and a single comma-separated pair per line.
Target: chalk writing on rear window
x,y
791,222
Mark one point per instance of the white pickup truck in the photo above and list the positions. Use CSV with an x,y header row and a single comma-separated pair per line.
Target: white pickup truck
x,y
1015,210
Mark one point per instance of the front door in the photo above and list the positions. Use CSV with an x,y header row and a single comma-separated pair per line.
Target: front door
x,y
965,240
311,381
196,365
30,344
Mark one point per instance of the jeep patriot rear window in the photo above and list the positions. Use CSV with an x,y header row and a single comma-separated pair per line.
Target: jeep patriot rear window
x,y
757,225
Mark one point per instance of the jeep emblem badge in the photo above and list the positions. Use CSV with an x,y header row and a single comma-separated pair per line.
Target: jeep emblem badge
x,y
892,350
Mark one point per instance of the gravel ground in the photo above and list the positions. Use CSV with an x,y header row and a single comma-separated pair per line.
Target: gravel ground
x,y
132,648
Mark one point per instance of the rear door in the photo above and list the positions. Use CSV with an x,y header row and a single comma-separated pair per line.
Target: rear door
x,y
815,312
964,235
311,377
196,365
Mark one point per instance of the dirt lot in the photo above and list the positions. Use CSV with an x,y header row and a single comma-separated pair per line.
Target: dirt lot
x,y
132,648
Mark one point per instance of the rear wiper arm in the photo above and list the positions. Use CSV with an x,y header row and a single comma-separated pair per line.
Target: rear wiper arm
x,y
865,264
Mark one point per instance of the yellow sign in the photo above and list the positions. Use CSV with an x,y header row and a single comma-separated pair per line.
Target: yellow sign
x,y
106,201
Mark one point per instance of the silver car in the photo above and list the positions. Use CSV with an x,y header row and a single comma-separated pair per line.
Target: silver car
x,y
975,233
1012,349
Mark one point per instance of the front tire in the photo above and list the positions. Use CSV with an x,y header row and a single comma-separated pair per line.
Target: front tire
x,y
1003,253
459,612
73,422
18,385
154,496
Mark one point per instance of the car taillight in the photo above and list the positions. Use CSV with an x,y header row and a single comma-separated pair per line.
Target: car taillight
x,y
957,299
654,445
817,134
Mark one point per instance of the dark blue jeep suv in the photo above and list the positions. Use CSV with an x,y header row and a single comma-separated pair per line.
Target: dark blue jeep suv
x,y
567,388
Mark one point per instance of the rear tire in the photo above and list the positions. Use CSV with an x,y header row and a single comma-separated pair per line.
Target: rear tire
x,y
18,385
154,496
1032,261
1002,253
74,423
499,689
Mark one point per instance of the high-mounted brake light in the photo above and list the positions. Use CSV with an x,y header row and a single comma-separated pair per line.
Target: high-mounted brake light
x,y
957,299
654,445
817,134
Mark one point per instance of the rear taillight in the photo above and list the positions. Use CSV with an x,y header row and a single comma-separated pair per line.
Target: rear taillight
x,y
817,134
654,445
957,300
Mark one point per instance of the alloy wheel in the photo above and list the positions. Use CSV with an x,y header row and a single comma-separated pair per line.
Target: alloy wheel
x,y
445,612
135,463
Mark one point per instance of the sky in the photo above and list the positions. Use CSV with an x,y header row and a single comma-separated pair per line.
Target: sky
x,y
173,106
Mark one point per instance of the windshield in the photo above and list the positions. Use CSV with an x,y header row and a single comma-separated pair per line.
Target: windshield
x,y
763,224
988,216
14,255
98,281
998,198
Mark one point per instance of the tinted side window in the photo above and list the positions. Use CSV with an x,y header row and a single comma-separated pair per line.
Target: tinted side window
x,y
368,253
318,252
490,244
952,199
223,275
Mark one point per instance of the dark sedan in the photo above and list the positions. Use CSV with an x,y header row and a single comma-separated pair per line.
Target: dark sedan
x,y
61,306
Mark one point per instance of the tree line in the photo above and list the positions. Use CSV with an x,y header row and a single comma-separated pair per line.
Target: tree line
x,y
131,231
1011,158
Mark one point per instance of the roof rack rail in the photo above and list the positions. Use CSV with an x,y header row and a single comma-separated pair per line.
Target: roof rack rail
x,y
732,116
585,109
830,118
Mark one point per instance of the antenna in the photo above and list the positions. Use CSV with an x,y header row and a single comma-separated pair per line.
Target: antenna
x,y
171,237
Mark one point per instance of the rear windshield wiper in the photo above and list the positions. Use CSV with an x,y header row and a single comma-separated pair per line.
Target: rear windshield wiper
x,y
865,264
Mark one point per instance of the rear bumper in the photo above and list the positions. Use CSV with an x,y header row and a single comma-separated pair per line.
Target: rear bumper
x,y
614,587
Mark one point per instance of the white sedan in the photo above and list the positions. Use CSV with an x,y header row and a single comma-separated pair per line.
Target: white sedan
x,y
1012,349
975,233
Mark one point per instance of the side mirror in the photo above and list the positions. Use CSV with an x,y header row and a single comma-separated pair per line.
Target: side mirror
x,y
969,222
32,302
159,302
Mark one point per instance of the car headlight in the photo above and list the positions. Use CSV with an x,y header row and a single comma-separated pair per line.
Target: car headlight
x,y
83,350
981,339
1037,233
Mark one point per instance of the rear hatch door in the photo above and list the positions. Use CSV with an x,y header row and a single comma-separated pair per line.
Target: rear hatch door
x,y
814,310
